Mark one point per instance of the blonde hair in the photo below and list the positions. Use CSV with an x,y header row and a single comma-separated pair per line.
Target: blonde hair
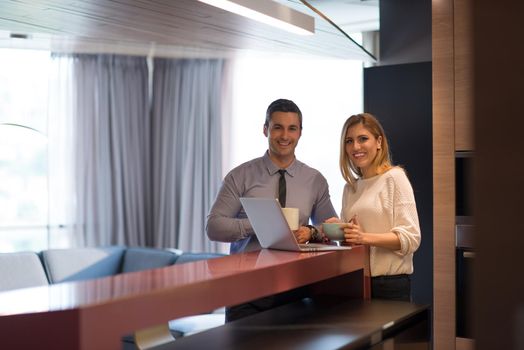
x,y
382,161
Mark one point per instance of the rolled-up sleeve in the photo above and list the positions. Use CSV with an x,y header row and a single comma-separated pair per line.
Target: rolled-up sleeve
x,y
406,223
223,223
323,208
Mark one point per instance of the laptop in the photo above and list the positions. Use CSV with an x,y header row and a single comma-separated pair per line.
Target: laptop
x,y
272,229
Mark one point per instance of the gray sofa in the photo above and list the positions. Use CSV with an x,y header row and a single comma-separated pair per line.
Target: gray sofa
x,y
31,269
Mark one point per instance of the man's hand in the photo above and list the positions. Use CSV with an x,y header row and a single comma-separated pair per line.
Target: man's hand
x,y
303,234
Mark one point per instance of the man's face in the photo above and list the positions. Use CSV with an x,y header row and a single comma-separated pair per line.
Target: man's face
x,y
283,134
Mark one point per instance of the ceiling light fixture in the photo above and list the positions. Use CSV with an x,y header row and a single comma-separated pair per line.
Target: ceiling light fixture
x,y
305,2
269,12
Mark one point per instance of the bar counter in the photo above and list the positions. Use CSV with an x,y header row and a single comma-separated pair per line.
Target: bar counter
x,y
95,314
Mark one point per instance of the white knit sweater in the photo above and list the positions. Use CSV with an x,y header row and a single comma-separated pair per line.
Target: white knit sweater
x,y
385,203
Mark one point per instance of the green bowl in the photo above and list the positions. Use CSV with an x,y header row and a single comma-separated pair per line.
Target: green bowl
x,y
333,231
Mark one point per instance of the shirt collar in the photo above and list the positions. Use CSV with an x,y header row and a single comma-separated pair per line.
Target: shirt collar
x,y
272,168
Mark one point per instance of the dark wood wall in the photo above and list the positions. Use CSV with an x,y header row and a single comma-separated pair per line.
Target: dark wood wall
x,y
498,186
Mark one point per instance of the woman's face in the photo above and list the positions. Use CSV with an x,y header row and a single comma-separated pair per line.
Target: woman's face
x,y
362,148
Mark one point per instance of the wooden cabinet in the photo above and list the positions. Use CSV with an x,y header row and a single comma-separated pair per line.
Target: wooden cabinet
x,y
453,116
463,71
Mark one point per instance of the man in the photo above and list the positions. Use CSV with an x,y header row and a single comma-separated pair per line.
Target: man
x,y
305,188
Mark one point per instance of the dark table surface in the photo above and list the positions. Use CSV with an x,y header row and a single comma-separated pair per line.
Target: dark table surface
x,y
312,324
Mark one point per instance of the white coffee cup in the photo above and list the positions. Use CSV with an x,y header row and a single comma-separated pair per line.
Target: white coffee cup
x,y
291,215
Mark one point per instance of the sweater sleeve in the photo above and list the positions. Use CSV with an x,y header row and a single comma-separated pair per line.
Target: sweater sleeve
x,y
406,223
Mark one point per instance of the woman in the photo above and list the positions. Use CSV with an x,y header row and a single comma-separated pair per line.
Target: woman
x,y
379,206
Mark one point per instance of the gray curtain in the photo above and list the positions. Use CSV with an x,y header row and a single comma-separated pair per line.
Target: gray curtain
x,y
187,150
111,150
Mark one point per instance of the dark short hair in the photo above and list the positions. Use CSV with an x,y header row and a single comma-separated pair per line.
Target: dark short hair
x,y
282,105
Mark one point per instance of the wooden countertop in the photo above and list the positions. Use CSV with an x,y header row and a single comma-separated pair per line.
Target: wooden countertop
x,y
95,314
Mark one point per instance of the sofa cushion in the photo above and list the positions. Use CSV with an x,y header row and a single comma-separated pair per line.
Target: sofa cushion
x,y
76,264
21,270
137,259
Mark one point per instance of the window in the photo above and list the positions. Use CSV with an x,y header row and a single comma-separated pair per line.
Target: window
x,y
23,149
